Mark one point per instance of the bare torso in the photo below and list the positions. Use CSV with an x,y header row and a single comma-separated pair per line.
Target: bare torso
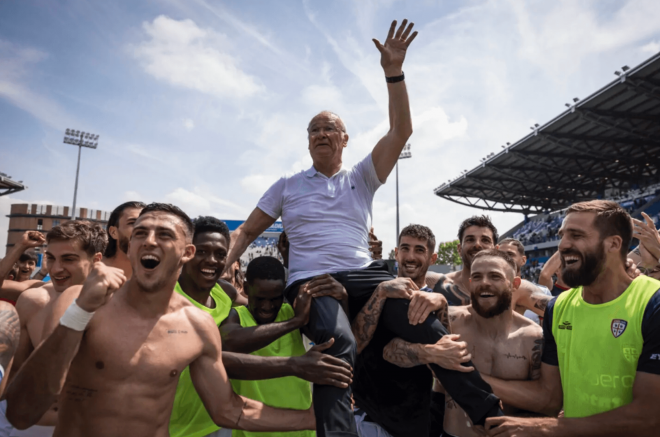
x,y
33,308
123,380
516,355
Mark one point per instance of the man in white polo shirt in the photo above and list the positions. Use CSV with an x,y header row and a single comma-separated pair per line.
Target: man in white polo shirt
x,y
326,212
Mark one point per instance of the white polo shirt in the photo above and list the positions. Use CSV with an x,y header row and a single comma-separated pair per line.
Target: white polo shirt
x,y
326,220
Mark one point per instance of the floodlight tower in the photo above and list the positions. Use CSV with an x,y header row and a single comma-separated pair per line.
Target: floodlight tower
x,y
80,139
405,153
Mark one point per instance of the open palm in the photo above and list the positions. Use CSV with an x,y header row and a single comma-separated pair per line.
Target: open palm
x,y
393,52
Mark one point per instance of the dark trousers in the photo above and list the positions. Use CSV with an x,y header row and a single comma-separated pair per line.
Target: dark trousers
x,y
332,405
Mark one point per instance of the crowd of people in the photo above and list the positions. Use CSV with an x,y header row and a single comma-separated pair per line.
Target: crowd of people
x,y
141,332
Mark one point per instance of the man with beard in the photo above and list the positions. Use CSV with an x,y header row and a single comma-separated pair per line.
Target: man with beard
x,y
198,283
120,346
601,354
120,226
326,211
502,343
394,397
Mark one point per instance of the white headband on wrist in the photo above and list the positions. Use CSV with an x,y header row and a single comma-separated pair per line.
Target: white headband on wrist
x,y
75,317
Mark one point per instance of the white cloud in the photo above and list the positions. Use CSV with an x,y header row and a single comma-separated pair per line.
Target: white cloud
x,y
17,64
184,55
258,184
201,201
188,124
651,48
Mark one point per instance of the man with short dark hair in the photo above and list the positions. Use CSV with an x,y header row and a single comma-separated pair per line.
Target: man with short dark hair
x,y
11,289
119,347
268,327
26,264
120,226
393,395
601,354
198,283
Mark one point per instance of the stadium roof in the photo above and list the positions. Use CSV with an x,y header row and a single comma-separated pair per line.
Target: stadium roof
x,y
609,140
7,186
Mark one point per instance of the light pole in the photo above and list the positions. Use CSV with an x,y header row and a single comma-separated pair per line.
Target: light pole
x,y
80,139
405,153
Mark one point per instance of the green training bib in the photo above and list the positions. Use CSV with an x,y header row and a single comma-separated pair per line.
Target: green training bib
x,y
598,347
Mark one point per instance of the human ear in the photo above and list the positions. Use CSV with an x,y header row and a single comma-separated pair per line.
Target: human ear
x,y
188,253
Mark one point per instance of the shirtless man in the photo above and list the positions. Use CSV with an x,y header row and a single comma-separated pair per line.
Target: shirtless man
x,y
502,343
9,331
73,248
124,371
120,226
476,234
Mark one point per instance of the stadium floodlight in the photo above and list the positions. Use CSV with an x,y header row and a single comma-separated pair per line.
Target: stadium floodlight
x,y
618,73
405,154
567,105
536,125
625,68
80,139
575,99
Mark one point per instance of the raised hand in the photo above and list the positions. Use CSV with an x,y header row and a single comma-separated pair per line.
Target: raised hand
x,y
648,236
320,368
393,52
32,239
99,286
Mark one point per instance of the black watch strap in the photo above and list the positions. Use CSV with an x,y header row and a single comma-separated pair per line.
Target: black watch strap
x,y
395,79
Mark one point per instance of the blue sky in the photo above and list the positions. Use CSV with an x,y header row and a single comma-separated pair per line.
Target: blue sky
x,y
204,103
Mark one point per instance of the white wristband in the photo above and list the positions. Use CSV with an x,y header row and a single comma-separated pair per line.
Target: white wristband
x,y
75,317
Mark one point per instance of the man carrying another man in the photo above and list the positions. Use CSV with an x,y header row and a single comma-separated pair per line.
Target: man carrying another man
x,y
326,212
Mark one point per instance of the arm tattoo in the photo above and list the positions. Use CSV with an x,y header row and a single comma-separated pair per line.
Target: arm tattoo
x,y
365,323
401,353
10,329
535,365
443,316
541,301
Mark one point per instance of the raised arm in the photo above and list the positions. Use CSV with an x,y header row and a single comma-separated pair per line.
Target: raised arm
x,y
226,408
315,366
39,381
366,321
29,240
247,340
245,234
392,54
550,268
530,296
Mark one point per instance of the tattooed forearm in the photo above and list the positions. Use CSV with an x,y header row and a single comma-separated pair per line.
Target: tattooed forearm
x,y
10,329
541,301
535,365
402,353
443,316
365,323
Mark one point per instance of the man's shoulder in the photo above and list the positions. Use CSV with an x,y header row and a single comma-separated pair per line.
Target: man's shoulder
x,y
460,317
434,278
33,299
525,327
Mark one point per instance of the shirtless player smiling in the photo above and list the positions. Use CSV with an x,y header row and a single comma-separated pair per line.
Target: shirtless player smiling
x,y
124,371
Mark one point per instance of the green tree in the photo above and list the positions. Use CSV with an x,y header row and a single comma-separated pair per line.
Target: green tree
x,y
392,254
448,254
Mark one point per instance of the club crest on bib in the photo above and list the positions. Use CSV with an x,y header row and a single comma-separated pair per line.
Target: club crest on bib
x,y
618,326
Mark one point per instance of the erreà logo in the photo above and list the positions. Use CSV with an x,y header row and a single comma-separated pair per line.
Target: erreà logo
x,y
566,325
618,326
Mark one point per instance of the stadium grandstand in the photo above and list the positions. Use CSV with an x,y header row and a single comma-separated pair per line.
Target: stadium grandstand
x,y
264,245
8,186
606,146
